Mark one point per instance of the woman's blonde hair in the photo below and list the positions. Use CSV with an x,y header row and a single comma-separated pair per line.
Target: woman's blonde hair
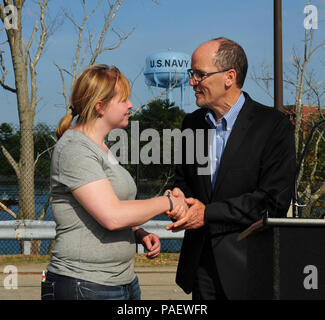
x,y
96,83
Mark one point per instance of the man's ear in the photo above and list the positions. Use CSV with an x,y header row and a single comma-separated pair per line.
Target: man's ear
x,y
231,77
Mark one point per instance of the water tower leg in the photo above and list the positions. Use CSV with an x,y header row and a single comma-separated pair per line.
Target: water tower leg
x,y
169,94
182,96
169,89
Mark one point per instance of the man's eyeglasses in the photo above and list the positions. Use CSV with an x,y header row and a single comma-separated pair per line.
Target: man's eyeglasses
x,y
199,76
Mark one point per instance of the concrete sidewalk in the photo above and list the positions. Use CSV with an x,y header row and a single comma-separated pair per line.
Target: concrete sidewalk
x,y
157,282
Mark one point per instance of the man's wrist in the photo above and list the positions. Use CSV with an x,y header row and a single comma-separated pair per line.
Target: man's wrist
x,y
205,216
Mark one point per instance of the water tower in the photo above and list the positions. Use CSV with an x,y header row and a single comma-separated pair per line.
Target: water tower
x,y
168,69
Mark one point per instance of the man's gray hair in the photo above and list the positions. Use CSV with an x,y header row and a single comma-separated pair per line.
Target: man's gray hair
x,y
231,55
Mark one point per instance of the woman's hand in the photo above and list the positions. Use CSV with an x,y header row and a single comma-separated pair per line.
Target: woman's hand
x,y
180,207
150,241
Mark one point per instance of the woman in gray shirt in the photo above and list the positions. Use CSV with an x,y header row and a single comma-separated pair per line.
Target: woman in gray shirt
x,y
93,198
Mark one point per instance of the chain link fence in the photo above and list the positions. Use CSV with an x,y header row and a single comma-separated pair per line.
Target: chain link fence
x,y
30,199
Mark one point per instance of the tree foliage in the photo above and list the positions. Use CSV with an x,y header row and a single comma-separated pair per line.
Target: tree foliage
x,y
158,115
43,142
305,83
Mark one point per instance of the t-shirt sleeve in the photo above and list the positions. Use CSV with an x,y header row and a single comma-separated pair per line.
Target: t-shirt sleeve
x,y
79,167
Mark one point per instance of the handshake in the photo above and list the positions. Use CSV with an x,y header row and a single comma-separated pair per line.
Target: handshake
x,y
187,213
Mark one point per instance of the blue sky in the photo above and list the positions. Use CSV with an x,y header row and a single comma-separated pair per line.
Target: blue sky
x,y
180,25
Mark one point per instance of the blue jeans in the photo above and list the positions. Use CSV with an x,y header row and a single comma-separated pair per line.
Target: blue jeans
x,y
57,287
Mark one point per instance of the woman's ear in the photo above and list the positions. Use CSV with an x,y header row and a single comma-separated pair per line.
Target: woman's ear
x,y
99,108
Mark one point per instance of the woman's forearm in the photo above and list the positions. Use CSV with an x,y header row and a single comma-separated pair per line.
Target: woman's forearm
x,y
135,212
100,200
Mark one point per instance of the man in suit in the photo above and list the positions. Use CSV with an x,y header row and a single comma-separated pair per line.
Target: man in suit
x,y
251,171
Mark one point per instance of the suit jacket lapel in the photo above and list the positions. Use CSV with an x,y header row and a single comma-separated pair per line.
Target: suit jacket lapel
x,y
206,178
236,137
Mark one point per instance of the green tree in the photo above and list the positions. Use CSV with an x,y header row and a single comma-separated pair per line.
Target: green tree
x,y
9,140
44,142
306,84
311,186
158,115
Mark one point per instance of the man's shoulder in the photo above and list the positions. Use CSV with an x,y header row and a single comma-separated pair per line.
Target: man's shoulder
x,y
263,111
196,115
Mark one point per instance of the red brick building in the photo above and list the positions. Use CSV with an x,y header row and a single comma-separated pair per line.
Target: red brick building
x,y
309,113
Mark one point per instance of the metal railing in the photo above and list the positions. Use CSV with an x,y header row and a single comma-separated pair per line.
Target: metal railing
x,y
27,230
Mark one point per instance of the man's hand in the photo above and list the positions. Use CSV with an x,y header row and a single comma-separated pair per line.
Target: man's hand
x,y
192,219
177,192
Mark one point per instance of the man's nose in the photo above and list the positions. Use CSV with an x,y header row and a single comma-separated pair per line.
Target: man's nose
x,y
192,82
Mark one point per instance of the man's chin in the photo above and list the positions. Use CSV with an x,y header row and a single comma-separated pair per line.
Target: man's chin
x,y
200,103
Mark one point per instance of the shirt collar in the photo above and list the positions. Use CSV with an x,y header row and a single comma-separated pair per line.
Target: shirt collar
x,y
228,120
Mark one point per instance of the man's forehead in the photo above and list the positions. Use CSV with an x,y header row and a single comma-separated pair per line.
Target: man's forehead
x,y
201,62
205,53
208,47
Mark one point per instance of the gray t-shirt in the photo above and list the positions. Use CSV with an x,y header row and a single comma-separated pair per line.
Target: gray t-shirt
x,y
83,248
